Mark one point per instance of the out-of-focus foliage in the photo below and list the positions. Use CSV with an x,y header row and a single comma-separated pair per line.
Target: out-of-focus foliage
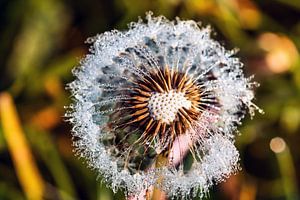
x,y
41,41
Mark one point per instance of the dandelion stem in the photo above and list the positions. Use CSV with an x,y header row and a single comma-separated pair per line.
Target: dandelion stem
x,y
158,194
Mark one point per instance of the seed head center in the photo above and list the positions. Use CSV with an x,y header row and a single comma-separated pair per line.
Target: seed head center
x,y
164,106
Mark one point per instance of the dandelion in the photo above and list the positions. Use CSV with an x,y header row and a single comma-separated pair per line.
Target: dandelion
x,y
158,106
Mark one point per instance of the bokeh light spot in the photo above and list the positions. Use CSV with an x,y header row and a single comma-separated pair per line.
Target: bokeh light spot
x,y
277,145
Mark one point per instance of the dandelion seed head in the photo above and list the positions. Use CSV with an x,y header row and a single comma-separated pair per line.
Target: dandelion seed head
x,y
161,88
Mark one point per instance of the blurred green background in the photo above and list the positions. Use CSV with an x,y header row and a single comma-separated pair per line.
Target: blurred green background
x,y
42,40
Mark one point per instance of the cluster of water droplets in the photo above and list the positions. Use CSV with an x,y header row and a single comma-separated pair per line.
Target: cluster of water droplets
x,y
116,58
